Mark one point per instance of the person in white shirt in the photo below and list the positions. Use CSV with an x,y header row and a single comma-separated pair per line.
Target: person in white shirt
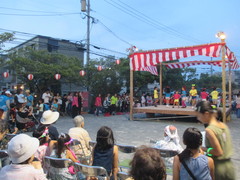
x,y
46,96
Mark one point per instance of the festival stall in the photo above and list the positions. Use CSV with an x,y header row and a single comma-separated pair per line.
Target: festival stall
x,y
145,60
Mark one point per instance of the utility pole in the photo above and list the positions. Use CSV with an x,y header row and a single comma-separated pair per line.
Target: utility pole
x,y
88,32
85,7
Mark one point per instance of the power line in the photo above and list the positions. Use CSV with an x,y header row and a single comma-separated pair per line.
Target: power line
x,y
57,14
142,17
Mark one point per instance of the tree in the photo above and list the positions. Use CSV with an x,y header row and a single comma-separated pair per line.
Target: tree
x,y
5,37
44,66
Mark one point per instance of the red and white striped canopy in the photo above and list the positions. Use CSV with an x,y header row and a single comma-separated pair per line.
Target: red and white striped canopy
x,y
140,60
192,63
232,58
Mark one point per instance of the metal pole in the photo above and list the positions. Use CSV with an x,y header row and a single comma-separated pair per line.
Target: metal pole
x,y
160,83
131,94
223,82
230,85
88,32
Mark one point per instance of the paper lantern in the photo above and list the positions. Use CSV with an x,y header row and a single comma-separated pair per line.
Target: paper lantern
x,y
57,76
82,73
99,68
30,77
5,74
118,61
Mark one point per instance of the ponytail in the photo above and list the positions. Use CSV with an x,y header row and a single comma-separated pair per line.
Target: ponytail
x,y
185,154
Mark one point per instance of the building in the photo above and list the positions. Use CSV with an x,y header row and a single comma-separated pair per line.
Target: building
x,y
51,45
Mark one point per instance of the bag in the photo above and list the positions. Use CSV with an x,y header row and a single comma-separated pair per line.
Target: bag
x,y
71,170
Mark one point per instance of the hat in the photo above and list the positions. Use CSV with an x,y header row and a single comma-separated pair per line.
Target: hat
x,y
49,117
22,147
8,92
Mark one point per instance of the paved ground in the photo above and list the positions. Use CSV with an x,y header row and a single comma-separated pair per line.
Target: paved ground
x,y
140,132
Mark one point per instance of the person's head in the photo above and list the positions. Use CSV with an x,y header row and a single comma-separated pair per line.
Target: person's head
x,y
176,92
214,88
192,138
78,121
193,87
42,135
40,101
62,143
167,89
8,93
206,111
12,105
47,91
27,92
75,93
147,164
155,88
184,88
99,95
105,139
171,134
203,89
21,149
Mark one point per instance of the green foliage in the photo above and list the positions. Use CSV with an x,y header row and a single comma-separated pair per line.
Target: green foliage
x,y
5,37
44,66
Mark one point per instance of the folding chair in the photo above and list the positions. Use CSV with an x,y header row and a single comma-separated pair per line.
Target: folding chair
x,y
91,171
83,158
123,175
58,168
4,159
126,149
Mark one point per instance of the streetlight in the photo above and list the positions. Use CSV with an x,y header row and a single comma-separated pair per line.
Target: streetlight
x,y
221,35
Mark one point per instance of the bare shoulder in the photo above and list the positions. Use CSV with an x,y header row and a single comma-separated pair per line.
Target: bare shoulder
x,y
115,148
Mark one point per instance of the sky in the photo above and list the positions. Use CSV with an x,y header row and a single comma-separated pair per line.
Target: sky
x,y
118,24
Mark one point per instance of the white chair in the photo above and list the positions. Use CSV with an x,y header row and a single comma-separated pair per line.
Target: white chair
x,y
126,149
58,168
91,171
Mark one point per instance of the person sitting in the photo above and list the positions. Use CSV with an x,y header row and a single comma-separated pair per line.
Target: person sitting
x,y
105,153
63,151
171,140
191,163
78,132
21,151
48,118
147,164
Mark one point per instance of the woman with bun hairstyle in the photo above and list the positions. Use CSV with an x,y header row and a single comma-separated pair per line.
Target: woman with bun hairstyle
x,y
191,163
218,140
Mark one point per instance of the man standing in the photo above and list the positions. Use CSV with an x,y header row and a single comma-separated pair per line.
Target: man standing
x,y
29,98
46,98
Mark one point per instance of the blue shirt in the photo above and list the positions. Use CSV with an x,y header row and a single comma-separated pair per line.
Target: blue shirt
x,y
184,93
199,168
168,94
29,100
3,100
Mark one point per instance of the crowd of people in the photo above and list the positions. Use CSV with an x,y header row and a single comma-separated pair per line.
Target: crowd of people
x,y
195,161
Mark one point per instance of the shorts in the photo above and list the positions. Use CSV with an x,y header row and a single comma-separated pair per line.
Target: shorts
x,y
176,100
167,98
194,97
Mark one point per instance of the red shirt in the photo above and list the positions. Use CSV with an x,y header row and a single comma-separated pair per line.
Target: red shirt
x,y
204,95
176,96
98,101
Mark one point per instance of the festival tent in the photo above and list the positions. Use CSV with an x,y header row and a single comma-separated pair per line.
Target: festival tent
x,y
140,60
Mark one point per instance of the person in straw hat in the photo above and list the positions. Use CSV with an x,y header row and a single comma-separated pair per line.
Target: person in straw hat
x,y
21,151
48,118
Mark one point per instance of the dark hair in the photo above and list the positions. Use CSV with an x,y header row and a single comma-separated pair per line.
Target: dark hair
x,y
38,134
12,105
19,91
192,138
105,139
147,164
167,90
62,139
206,106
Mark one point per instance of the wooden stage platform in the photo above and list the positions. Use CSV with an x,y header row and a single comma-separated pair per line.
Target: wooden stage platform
x,y
163,109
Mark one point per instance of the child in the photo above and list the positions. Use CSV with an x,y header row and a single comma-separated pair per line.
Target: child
x,y
184,97
191,160
193,95
204,94
155,96
105,153
40,108
63,151
167,95
54,106
176,98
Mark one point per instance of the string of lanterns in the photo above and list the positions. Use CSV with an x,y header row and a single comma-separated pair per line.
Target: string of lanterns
x,y
58,76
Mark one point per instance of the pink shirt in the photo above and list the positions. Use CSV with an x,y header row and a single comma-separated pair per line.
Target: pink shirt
x,y
98,101
204,95
176,96
21,172
75,101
